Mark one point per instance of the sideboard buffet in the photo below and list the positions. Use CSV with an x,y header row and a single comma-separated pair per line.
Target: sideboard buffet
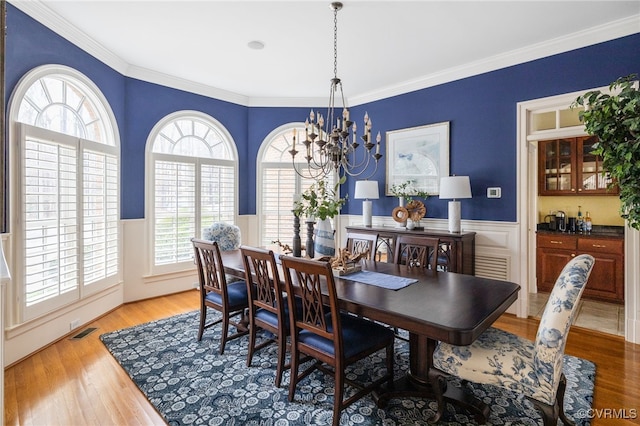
x,y
456,254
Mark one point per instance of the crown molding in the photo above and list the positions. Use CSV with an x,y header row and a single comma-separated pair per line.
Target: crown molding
x,y
41,13
606,32
615,29
173,82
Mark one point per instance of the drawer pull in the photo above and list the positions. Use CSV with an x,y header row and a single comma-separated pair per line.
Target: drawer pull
x,y
599,245
555,242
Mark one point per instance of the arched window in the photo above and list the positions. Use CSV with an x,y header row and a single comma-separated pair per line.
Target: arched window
x,y
193,169
277,184
68,198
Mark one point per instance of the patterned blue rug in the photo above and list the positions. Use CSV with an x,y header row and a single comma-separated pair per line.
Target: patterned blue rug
x,y
189,383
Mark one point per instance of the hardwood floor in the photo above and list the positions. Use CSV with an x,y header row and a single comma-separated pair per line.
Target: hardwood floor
x,y
77,382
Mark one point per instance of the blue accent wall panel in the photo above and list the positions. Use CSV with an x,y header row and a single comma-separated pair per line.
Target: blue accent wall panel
x,y
482,115
262,121
146,105
481,111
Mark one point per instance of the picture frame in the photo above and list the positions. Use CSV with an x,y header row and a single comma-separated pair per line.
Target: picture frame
x,y
419,155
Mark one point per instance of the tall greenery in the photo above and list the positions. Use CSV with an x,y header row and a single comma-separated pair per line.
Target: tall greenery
x,y
321,202
615,119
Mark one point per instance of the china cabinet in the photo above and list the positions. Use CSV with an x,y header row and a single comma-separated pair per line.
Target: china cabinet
x,y
567,167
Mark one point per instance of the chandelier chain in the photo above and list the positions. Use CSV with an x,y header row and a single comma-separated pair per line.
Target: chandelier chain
x,y
329,143
335,43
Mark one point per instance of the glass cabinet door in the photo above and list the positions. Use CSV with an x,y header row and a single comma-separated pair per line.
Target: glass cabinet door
x,y
568,166
558,159
593,177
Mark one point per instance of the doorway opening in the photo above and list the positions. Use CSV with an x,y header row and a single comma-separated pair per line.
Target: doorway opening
x,y
538,120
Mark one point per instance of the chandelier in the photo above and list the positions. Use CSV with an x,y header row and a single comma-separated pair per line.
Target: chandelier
x,y
330,141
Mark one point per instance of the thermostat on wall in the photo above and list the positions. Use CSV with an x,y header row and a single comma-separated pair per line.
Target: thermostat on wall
x,y
494,192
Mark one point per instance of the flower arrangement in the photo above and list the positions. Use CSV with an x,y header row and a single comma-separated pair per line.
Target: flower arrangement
x,y
319,201
225,234
407,191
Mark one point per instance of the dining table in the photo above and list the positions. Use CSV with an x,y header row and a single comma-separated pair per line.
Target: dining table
x,y
435,306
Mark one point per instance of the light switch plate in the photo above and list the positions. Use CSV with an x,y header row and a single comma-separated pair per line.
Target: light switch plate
x,y
495,192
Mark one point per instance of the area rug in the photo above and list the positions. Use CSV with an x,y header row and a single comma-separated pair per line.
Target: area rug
x,y
189,383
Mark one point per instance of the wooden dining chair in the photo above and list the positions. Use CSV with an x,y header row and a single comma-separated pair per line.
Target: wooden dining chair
x,y
358,243
267,306
230,299
416,251
532,369
334,339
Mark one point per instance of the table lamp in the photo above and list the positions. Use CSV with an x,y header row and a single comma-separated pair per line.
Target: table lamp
x,y
453,188
366,190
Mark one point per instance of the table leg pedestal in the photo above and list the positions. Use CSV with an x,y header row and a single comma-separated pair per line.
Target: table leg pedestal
x,y
416,382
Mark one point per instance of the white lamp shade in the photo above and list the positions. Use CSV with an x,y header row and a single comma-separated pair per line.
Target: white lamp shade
x,y
366,190
455,187
4,269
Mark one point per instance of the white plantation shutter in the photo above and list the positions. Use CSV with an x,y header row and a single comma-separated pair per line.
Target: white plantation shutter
x,y
70,218
100,228
278,187
50,221
193,185
279,183
217,194
174,211
67,194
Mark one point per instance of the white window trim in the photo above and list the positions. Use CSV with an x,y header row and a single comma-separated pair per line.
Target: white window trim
x,y
16,314
158,270
260,165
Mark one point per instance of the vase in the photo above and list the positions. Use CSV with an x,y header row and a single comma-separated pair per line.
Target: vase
x,y
325,242
401,204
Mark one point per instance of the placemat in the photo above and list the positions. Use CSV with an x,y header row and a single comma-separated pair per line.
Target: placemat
x,y
379,279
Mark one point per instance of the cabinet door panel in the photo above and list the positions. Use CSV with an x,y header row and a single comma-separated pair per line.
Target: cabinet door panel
x,y
549,265
606,280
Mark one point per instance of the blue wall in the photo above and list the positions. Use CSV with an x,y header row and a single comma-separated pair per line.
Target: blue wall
x,y
481,111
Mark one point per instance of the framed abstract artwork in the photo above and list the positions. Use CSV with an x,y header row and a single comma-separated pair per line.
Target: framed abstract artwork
x,y
419,155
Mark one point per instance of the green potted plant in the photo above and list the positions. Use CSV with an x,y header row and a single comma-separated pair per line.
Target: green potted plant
x,y
321,203
407,191
615,119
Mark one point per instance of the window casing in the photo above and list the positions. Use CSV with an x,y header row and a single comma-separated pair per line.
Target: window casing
x,y
193,171
67,227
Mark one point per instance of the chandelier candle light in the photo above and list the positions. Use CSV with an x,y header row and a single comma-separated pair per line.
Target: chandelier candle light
x,y
367,190
453,188
330,143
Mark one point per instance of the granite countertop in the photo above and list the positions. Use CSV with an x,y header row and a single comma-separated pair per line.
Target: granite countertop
x,y
597,231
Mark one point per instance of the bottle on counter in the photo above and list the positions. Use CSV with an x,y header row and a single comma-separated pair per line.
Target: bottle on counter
x,y
579,221
587,223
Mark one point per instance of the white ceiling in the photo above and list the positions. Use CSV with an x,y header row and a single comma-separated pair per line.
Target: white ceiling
x,y
384,47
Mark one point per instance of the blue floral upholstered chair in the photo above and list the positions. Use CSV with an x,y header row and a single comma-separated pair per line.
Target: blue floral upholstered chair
x,y
532,369
227,236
